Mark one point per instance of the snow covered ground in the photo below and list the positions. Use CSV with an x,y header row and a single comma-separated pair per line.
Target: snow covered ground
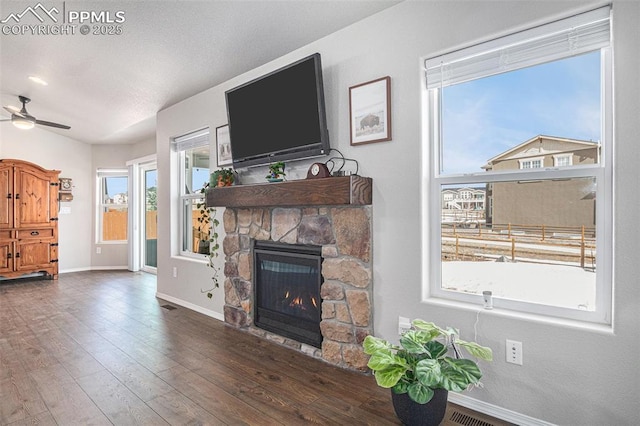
x,y
556,285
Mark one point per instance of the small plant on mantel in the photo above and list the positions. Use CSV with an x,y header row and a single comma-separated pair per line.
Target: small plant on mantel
x,y
276,170
222,177
210,246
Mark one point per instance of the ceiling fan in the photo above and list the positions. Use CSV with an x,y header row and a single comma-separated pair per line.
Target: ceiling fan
x,y
23,120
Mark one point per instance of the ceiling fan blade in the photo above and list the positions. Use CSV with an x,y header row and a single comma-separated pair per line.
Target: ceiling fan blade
x,y
50,124
13,110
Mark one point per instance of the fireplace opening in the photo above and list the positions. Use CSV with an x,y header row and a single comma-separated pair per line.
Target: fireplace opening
x,y
286,283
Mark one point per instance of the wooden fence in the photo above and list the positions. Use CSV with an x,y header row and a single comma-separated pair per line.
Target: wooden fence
x,y
114,225
542,243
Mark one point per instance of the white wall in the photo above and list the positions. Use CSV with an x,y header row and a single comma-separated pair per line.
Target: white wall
x,y
571,375
73,159
114,255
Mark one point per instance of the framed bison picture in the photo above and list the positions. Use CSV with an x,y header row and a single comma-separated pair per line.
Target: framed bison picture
x,y
370,111
223,146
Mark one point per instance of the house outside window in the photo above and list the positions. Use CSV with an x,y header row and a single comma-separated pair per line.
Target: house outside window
x,y
543,242
113,206
193,158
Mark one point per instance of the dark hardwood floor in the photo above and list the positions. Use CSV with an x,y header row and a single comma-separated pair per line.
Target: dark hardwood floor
x,y
99,348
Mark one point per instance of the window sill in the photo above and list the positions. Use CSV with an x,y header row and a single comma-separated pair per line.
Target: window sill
x,y
194,258
606,329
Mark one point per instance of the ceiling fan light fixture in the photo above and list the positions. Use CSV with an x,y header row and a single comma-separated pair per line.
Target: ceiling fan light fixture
x,y
22,123
38,80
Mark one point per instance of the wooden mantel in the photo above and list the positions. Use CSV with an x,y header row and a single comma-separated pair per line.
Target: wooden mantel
x,y
344,190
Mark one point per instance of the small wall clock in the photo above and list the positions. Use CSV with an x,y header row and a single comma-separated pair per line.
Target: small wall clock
x,y
66,184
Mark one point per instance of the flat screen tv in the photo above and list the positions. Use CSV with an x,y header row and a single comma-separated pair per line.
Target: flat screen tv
x,y
279,116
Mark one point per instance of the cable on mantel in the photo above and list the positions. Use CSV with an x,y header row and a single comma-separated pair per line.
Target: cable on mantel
x,y
344,161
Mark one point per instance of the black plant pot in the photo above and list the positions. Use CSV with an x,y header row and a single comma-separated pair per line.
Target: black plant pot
x,y
413,414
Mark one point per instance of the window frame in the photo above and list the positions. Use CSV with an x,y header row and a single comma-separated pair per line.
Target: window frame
x,y
602,171
558,157
181,145
101,176
530,162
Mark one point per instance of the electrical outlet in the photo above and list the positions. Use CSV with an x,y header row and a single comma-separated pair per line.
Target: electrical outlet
x,y
404,324
98,250
514,352
175,272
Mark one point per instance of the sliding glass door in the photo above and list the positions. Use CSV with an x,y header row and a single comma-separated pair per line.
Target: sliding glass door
x,y
149,222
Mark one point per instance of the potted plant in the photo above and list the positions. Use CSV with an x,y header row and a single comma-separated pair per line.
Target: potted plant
x,y
208,244
222,177
276,170
420,371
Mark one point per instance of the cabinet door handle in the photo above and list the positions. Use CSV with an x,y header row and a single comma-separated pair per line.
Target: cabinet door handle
x,y
9,256
17,196
17,254
9,196
34,233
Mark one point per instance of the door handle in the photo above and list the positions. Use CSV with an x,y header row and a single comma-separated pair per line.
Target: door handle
x,y
34,233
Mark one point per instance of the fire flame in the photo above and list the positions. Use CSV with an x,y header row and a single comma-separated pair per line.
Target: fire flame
x,y
297,302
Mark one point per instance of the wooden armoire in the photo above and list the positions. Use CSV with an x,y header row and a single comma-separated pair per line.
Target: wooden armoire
x,y
28,220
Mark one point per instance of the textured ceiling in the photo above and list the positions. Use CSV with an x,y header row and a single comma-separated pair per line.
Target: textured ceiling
x,y
108,88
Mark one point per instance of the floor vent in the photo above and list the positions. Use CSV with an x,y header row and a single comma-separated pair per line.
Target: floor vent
x,y
169,307
458,418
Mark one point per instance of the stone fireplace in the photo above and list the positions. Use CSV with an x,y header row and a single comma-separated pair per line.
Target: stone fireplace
x,y
343,236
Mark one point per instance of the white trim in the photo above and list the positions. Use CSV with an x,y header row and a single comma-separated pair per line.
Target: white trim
x,y
602,171
94,268
70,270
101,175
193,307
495,411
152,158
183,182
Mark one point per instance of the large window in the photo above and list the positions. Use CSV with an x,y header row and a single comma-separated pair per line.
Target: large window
x,y
193,157
524,121
113,206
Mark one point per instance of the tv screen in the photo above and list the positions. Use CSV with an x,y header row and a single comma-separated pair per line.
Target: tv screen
x,y
279,116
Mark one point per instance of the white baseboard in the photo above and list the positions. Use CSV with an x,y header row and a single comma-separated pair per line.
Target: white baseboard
x,y
200,309
67,271
93,268
110,268
495,411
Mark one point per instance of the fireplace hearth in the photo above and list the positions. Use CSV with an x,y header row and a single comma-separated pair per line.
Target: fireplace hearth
x,y
286,283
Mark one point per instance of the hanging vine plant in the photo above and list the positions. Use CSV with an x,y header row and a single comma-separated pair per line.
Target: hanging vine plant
x,y
208,244
208,224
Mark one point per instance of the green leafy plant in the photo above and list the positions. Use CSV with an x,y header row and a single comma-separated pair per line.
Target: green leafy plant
x,y
421,363
208,225
276,170
223,177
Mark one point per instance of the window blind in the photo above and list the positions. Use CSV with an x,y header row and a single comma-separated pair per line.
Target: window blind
x,y
191,140
572,36
111,173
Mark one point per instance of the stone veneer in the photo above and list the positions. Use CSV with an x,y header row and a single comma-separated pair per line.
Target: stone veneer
x,y
345,236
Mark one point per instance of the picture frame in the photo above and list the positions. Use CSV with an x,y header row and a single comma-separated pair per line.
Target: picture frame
x,y
370,111
223,146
